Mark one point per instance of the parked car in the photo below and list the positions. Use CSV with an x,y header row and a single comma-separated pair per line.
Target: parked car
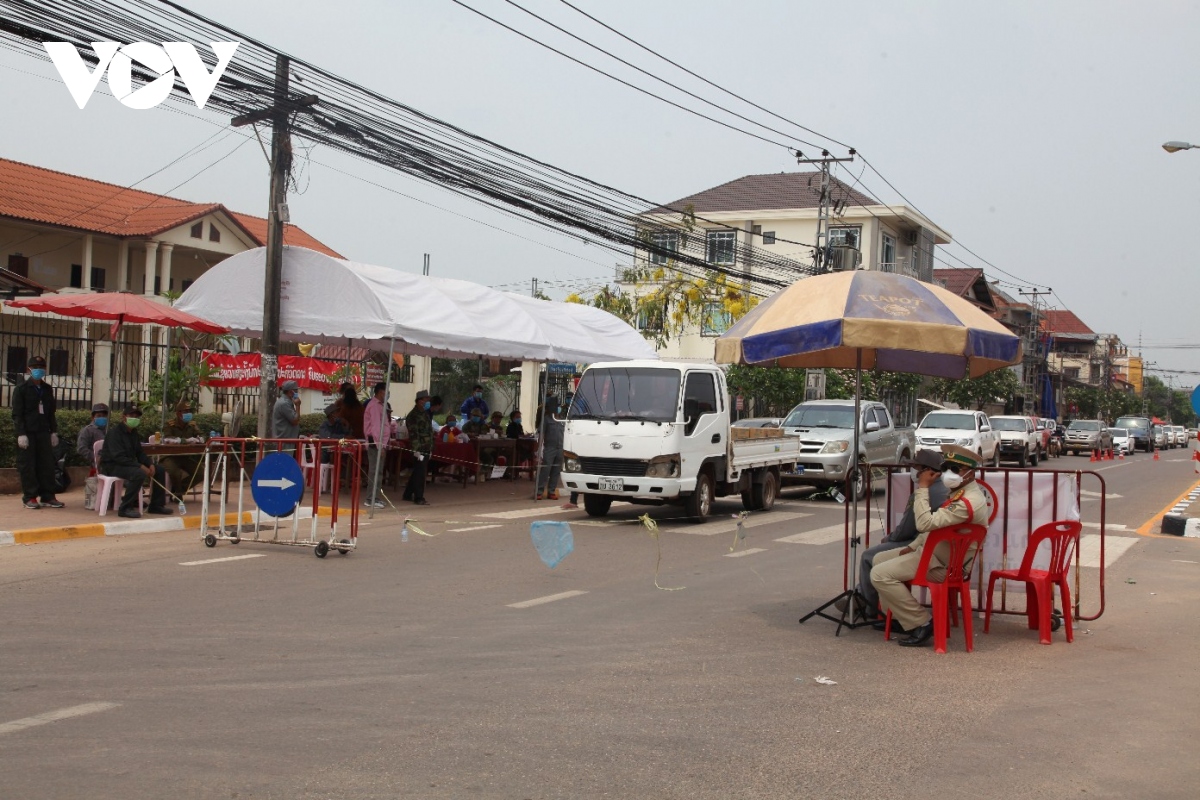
x,y
1159,434
1045,429
1122,441
1181,437
1085,435
758,422
1020,440
1140,429
826,432
965,428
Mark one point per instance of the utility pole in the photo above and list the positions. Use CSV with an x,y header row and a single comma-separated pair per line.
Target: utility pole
x,y
533,291
1031,360
821,254
281,165
425,268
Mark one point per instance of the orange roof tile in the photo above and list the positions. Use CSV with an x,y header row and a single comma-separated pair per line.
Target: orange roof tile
x,y
1064,322
37,194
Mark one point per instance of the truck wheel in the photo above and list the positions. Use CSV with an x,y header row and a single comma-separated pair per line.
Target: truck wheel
x,y
764,493
597,505
1035,457
858,482
995,458
1022,459
748,500
699,502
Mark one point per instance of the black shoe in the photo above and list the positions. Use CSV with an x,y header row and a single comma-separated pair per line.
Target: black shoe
x,y
32,503
53,502
158,510
897,628
131,513
919,636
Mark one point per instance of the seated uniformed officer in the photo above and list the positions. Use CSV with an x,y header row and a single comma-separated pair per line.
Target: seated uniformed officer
x,y
966,503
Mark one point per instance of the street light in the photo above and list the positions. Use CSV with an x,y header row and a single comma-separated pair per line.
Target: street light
x,y
1174,147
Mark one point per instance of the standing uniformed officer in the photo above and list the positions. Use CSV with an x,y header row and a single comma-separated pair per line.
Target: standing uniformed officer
x,y
965,503
33,410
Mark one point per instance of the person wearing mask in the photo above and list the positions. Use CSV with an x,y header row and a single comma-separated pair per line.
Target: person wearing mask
x,y
285,416
85,444
352,409
514,430
476,427
435,408
377,426
34,422
450,432
182,469
495,424
475,401
122,457
420,438
903,532
965,503
552,452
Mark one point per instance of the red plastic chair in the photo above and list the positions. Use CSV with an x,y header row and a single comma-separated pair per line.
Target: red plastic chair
x,y
1039,583
957,583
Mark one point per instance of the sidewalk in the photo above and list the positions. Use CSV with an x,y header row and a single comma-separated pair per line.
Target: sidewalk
x,y
20,525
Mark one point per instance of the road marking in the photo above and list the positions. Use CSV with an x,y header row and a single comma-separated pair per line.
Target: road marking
x,y
833,533
747,552
474,528
1114,548
712,528
540,511
1184,561
55,716
537,601
218,560
1112,526
1146,528
1089,493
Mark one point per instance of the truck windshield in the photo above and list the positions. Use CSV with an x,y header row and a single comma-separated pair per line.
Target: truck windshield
x,y
954,422
1130,422
1084,425
1001,424
638,393
819,416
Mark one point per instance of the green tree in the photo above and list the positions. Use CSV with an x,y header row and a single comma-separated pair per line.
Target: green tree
x,y
976,392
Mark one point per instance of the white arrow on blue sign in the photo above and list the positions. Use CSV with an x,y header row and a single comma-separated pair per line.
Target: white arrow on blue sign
x,y
278,484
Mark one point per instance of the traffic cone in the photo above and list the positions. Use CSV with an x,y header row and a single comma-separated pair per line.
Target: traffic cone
x,y
1121,454
1156,454
1093,454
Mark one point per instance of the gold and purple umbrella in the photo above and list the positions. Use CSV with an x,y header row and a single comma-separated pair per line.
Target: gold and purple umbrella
x,y
874,320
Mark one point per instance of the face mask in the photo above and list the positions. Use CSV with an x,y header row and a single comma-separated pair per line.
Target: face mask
x,y
37,374
478,395
450,423
475,419
187,417
951,480
517,420
101,421
425,406
133,422
915,475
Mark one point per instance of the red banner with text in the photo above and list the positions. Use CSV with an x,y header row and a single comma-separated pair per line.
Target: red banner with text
x,y
244,369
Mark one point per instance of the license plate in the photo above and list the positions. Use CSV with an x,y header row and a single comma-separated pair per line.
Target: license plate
x,y
799,470
612,484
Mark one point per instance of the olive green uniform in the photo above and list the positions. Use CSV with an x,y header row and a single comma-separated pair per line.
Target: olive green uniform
x,y
182,469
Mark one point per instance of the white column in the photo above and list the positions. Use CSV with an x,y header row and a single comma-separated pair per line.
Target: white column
x,y
101,372
86,283
151,258
122,265
167,247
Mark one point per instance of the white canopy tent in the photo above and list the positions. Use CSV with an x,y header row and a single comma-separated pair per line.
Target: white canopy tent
x,y
334,301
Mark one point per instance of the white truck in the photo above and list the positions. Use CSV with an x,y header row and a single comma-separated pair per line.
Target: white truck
x,y
656,432
825,429
963,427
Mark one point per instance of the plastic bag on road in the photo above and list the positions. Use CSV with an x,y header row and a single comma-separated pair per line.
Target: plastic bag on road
x,y
553,541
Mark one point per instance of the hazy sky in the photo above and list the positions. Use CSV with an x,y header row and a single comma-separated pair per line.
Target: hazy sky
x,y
1029,130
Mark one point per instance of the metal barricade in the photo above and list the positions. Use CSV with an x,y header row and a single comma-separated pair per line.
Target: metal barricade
x,y
1007,489
228,462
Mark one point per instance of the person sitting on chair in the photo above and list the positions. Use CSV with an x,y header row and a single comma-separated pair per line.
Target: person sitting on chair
x,y
183,469
122,457
965,503
903,532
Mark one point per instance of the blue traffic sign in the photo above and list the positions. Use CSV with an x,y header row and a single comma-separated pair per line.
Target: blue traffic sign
x,y
277,485
1196,399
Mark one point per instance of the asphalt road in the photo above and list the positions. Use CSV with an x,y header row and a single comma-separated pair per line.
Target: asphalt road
x,y
404,671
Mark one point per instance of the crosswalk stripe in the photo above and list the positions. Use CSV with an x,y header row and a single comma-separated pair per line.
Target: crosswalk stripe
x,y
712,527
833,533
1114,548
746,552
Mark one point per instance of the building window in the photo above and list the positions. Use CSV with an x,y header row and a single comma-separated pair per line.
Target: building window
x,y
721,246
76,276
1072,373
887,255
768,237
19,264
715,320
663,241
57,363
185,285
845,237
214,234
198,230
98,275
650,320
158,284
1094,373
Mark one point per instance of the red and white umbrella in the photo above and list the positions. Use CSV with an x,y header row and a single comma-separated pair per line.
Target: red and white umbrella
x,y
120,307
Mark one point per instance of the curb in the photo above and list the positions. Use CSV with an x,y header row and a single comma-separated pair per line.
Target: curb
x,y
96,530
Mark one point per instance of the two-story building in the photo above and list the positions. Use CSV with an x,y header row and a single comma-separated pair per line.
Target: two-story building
x,y
74,234
756,225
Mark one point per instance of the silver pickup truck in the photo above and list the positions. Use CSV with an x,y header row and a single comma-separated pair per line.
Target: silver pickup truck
x,y
826,433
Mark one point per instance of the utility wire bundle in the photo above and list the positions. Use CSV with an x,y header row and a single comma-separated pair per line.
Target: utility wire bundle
x,y
358,121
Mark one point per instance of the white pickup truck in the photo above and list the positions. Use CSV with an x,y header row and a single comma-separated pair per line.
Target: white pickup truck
x,y
656,432
965,428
